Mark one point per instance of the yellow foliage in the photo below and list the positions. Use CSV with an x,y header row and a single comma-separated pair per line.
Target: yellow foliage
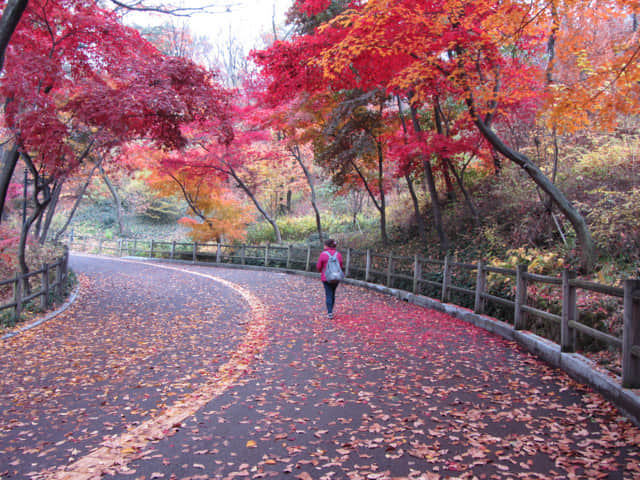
x,y
543,263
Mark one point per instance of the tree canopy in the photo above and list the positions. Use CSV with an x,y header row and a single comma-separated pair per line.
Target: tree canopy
x,y
376,91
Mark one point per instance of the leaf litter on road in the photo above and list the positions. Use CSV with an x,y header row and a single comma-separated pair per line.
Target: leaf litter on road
x,y
385,390
391,390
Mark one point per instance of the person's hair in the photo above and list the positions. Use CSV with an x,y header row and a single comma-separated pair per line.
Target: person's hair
x,y
330,242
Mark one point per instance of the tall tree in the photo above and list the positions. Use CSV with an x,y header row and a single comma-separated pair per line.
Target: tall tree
x,y
353,148
485,53
75,73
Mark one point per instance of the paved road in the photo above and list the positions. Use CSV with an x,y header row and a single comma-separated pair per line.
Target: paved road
x,y
169,371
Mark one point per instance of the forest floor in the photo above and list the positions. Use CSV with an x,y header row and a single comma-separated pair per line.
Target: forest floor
x,y
160,371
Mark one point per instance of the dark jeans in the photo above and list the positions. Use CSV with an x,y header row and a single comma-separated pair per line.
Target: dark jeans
x,y
330,295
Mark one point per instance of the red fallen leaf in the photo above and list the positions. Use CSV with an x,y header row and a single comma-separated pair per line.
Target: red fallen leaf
x,y
304,476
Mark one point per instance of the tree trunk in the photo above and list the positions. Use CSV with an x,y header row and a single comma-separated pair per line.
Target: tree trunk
x,y
383,200
295,152
465,193
433,192
51,210
76,203
116,198
245,188
40,185
422,228
9,162
577,221
8,22
438,116
378,205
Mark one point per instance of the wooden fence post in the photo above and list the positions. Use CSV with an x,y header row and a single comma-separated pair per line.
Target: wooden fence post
x,y
266,255
195,252
119,247
481,288
100,244
243,254
631,335
389,269
367,267
417,273
173,249
288,256
521,297
306,269
17,298
218,252
569,311
135,246
44,298
151,249
64,263
446,280
61,274
348,263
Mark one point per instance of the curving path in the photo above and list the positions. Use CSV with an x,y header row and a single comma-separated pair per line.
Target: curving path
x,y
162,371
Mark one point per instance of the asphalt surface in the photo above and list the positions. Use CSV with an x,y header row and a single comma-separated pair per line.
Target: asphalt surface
x,y
162,371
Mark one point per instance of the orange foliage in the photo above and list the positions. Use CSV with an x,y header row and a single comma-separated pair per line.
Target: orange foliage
x,y
218,215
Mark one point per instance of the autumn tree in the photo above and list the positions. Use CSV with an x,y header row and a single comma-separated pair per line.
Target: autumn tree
x,y
230,159
484,53
295,101
77,79
215,213
295,123
353,148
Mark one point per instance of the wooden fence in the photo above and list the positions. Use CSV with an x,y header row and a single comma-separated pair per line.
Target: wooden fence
x,y
464,284
50,280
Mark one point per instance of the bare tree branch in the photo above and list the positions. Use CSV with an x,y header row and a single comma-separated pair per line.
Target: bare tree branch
x,y
168,9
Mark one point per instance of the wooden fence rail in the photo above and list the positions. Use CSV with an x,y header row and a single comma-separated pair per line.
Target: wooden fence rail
x,y
52,278
442,279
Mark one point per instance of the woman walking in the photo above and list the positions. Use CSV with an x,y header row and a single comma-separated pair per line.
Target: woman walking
x,y
328,263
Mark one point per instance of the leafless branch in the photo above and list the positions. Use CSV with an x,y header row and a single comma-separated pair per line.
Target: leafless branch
x,y
168,9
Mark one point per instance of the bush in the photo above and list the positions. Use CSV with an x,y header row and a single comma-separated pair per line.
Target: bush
x,y
303,229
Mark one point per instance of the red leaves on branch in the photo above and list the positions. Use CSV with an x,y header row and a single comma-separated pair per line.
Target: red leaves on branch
x,y
73,70
311,7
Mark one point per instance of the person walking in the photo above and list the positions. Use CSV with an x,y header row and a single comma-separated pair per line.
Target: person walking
x,y
328,262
